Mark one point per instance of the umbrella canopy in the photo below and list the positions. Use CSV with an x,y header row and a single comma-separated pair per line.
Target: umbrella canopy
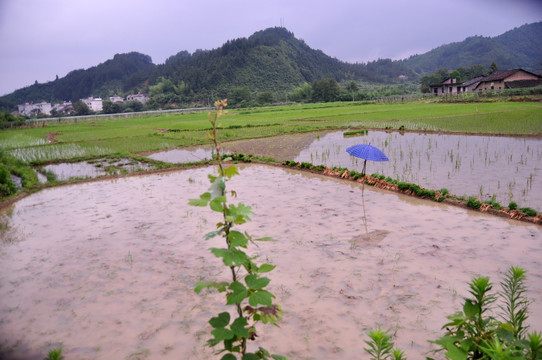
x,y
367,152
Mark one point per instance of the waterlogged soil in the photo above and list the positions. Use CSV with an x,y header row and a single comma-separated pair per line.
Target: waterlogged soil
x,y
107,269
84,169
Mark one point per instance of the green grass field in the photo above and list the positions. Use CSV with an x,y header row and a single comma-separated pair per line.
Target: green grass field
x,y
141,134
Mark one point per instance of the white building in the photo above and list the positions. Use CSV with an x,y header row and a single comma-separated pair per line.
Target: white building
x,y
138,97
29,109
63,108
116,99
94,104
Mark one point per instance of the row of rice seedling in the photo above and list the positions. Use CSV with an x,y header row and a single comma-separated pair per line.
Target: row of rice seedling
x,y
55,152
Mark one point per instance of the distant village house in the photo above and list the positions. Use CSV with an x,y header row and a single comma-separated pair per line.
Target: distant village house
x,y
94,104
64,108
116,99
29,109
138,97
508,79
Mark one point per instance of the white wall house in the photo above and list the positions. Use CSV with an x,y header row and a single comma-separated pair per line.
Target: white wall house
x,y
94,104
29,109
138,97
63,108
116,99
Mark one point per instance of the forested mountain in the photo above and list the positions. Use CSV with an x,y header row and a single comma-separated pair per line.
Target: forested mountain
x,y
269,60
123,73
517,48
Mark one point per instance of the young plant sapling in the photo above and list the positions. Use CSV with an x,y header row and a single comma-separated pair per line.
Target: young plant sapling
x,y
246,292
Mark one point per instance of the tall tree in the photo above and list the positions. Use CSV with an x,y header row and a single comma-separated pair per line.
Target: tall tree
x,y
81,108
493,68
353,88
325,90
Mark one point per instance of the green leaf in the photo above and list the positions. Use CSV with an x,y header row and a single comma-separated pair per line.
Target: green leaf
x,y
202,201
230,257
231,171
455,353
266,268
279,357
255,282
238,327
239,293
220,286
212,234
260,297
228,357
250,356
505,333
240,210
220,321
267,238
470,309
237,239
222,334
217,204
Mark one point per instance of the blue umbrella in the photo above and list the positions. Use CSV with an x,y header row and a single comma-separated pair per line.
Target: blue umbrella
x,y
367,152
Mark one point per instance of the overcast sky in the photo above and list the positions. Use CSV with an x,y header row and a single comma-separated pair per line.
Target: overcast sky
x,y
40,39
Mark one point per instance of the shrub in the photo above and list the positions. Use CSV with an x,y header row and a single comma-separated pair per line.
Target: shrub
x,y
380,346
494,205
528,211
320,168
512,206
476,333
472,202
7,186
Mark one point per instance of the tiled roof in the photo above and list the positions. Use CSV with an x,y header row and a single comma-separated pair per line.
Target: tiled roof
x,y
523,84
472,81
500,75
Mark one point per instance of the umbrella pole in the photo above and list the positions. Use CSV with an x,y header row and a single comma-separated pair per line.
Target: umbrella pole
x,y
363,200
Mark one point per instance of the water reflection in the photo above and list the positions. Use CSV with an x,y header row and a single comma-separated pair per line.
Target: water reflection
x,y
182,156
84,169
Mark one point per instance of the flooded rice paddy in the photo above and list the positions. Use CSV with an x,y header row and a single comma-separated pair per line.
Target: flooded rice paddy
x,y
487,167
107,269
85,169
504,168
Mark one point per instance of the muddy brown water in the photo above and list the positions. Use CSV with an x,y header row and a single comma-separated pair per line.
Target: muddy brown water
x,y
107,269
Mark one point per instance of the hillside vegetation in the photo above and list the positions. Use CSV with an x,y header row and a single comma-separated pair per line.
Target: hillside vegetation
x,y
517,48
